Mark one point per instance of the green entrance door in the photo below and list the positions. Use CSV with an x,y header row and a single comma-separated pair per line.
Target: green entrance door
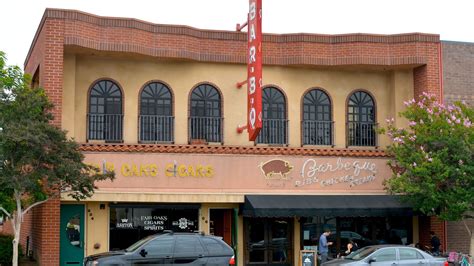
x,y
72,234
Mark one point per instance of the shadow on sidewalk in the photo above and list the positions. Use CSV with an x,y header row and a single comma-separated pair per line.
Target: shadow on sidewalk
x,y
27,262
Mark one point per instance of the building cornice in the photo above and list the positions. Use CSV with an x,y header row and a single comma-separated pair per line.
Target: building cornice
x,y
113,34
225,149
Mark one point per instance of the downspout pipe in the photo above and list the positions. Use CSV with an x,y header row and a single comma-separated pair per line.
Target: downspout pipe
x,y
441,100
440,66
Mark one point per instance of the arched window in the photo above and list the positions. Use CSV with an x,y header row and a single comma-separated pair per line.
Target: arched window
x,y
361,124
105,118
317,123
275,125
205,122
156,113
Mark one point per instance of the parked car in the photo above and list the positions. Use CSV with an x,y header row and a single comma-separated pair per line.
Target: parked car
x,y
169,248
387,255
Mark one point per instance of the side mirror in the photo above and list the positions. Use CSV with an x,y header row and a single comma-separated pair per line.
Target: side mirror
x,y
372,260
143,253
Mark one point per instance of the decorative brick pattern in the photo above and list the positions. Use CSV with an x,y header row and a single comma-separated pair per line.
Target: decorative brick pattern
x,y
182,42
256,150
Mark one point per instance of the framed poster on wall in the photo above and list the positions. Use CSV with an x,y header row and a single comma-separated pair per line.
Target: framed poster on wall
x,y
308,258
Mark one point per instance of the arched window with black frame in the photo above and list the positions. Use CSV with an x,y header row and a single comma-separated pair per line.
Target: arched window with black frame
x,y
317,124
361,120
274,124
205,121
105,117
156,121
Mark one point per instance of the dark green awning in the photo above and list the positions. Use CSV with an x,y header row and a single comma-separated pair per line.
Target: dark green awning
x,y
324,205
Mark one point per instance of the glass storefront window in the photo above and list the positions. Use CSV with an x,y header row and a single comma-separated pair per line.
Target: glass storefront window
x,y
131,223
362,231
269,241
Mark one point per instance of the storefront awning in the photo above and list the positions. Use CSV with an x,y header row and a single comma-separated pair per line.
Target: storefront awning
x,y
324,205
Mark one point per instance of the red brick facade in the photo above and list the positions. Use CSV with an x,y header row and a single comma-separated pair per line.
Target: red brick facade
x,y
46,233
67,28
61,30
458,80
436,225
458,236
458,76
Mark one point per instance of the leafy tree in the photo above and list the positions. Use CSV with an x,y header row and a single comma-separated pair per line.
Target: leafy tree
x,y
433,158
37,160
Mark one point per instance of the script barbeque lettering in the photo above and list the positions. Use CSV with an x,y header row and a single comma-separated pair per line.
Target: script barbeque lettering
x,y
311,171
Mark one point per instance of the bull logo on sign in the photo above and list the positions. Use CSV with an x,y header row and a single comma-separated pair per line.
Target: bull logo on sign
x,y
276,167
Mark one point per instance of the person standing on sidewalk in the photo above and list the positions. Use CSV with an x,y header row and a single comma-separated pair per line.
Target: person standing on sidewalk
x,y
435,243
324,245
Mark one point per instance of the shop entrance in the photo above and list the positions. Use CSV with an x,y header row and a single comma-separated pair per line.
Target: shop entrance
x,y
221,224
269,241
72,234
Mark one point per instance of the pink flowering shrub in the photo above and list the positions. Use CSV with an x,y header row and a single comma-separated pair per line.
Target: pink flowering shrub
x,y
433,158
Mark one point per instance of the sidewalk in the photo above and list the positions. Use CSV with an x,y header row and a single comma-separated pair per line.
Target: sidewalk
x,y
26,262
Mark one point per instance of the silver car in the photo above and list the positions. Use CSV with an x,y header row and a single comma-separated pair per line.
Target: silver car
x,y
387,255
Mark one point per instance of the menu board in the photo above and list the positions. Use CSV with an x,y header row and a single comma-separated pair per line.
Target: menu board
x,y
308,258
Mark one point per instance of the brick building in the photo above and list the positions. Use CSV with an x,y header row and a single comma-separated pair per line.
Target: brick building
x,y
158,104
458,85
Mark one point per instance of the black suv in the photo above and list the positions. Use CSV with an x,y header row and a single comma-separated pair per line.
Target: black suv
x,y
169,248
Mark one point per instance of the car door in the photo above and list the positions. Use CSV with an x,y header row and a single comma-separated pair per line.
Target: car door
x,y
158,251
384,257
411,257
189,251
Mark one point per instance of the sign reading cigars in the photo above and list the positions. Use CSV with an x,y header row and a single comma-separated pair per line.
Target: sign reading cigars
x,y
254,69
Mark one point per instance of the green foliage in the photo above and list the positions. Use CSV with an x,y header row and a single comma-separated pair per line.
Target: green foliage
x,y
433,159
37,160
6,250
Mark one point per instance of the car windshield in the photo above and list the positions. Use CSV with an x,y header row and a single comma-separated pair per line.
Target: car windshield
x,y
361,253
138,244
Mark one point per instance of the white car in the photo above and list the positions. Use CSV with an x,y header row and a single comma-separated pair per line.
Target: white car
x,y
387,255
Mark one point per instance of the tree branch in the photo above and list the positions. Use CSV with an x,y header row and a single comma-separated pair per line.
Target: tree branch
x,y
33,205
5,211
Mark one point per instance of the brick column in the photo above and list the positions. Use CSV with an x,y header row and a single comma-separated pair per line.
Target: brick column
x,y
47,58
434,224
46,233
427,78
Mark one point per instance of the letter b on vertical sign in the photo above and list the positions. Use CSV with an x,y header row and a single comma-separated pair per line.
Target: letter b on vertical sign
x,y
254,69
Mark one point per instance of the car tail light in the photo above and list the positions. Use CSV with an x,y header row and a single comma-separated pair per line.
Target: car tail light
x,y
232,261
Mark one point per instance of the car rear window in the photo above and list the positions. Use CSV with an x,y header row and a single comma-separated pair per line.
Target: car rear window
x,y
361,253
188,245
216,247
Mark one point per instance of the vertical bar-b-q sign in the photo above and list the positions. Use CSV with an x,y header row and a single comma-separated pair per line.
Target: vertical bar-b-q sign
x,y
254,69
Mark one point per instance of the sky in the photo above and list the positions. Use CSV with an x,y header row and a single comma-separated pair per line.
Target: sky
x,y
453,20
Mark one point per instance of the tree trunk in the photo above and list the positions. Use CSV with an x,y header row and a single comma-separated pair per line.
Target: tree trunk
x,y
471,250
17,219
16,242
470,232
